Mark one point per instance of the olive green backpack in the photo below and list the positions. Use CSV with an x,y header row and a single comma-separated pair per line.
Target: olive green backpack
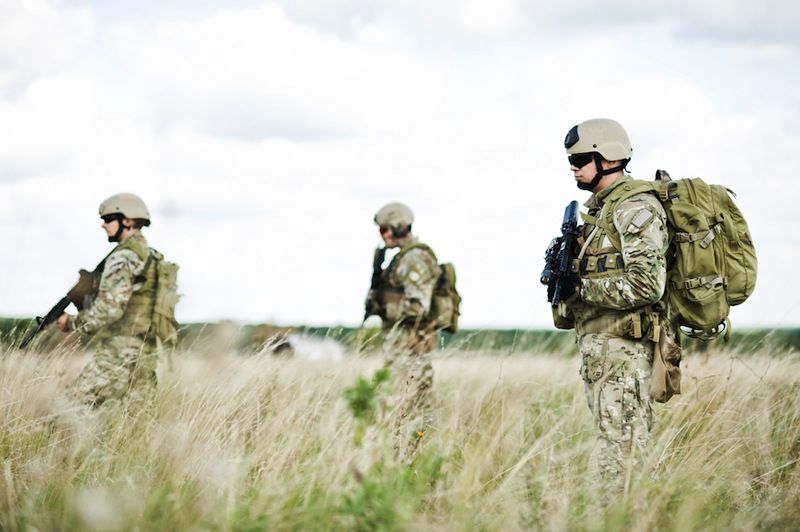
x,y
164,325
446,301
711,264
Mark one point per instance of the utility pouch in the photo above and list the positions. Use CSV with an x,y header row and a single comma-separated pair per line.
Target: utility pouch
x,y
665,378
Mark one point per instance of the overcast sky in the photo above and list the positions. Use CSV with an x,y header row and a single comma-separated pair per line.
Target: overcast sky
x,y
265,135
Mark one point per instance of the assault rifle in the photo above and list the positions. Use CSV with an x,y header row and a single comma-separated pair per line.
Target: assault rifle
x,y
557,274
372,305
80,295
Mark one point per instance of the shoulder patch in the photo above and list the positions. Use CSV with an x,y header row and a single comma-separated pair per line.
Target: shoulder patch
x,y
640,220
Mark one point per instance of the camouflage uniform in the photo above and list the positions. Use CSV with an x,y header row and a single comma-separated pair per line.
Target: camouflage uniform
x,y
122,370
408,284
617,289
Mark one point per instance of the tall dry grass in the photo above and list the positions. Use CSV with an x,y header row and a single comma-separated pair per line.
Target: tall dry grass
x,y
236,443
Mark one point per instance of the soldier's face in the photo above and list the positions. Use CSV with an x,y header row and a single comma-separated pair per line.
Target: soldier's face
x,y
584,174
110,227
386,235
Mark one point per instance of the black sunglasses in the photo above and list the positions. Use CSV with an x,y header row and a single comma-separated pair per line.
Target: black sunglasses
x,y
108,218
579,160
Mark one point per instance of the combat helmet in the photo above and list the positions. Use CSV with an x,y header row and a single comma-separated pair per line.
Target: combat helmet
x,y
601,137
128,205
397,216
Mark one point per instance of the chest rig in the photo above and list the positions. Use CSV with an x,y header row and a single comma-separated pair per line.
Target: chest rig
x,y
137,319
600,256
597,257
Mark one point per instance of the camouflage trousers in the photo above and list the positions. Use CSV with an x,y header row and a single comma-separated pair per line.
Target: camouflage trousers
x,y
407,407
616,373
121,373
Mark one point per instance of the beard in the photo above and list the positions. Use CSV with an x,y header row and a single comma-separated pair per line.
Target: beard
x,y
591,184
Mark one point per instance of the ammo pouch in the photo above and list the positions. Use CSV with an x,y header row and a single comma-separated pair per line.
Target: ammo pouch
x,y
665,378
624,323
562,322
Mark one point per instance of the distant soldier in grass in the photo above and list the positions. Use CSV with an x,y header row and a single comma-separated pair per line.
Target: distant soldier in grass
x,y
615,289
401,296
118,322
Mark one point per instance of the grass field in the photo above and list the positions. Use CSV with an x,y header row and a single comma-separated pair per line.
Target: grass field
x,y
255,443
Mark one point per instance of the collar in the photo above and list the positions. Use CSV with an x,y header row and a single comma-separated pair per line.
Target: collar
x,y
595,201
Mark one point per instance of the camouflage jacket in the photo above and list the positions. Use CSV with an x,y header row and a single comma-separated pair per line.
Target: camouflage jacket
x,y
117,285
616,283
408,283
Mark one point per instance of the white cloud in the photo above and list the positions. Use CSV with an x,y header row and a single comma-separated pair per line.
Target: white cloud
x,y
489,16
254,74
39,38
265,138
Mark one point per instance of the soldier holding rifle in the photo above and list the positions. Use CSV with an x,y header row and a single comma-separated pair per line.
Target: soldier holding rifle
x,y
119,317
401,295
607,292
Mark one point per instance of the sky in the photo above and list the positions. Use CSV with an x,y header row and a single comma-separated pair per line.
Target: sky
x,y
265,135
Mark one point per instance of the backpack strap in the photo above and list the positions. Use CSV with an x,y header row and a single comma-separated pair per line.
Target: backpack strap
x,y
142,277
605,219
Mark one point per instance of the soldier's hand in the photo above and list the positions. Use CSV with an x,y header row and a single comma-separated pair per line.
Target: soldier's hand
x,y
62,322
571,287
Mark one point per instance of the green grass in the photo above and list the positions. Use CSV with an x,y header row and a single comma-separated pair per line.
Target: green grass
x,y
252,443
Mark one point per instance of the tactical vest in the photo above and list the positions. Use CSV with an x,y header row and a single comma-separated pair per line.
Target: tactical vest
x,y
388,274
600,257
393,292
138,316
445,301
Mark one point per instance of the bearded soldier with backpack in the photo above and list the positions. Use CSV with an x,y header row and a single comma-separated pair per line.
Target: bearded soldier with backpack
x,y
653,258
130,314
608,290
415,297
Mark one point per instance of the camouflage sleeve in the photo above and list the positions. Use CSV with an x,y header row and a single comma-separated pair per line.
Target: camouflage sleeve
x,y
641,223
418,272
116,287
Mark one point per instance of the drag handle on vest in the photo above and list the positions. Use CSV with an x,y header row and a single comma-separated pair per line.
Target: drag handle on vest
x,y
372,306
81,295
557,273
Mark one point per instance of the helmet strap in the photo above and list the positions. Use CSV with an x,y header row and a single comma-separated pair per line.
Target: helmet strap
x,y
120,228
601,172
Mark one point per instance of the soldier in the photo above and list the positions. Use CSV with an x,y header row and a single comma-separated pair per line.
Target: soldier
x,y
118,321
620,276
403,301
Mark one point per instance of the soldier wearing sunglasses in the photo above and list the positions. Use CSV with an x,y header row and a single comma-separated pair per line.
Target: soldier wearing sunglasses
x,y
118,320
619,277
402,299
